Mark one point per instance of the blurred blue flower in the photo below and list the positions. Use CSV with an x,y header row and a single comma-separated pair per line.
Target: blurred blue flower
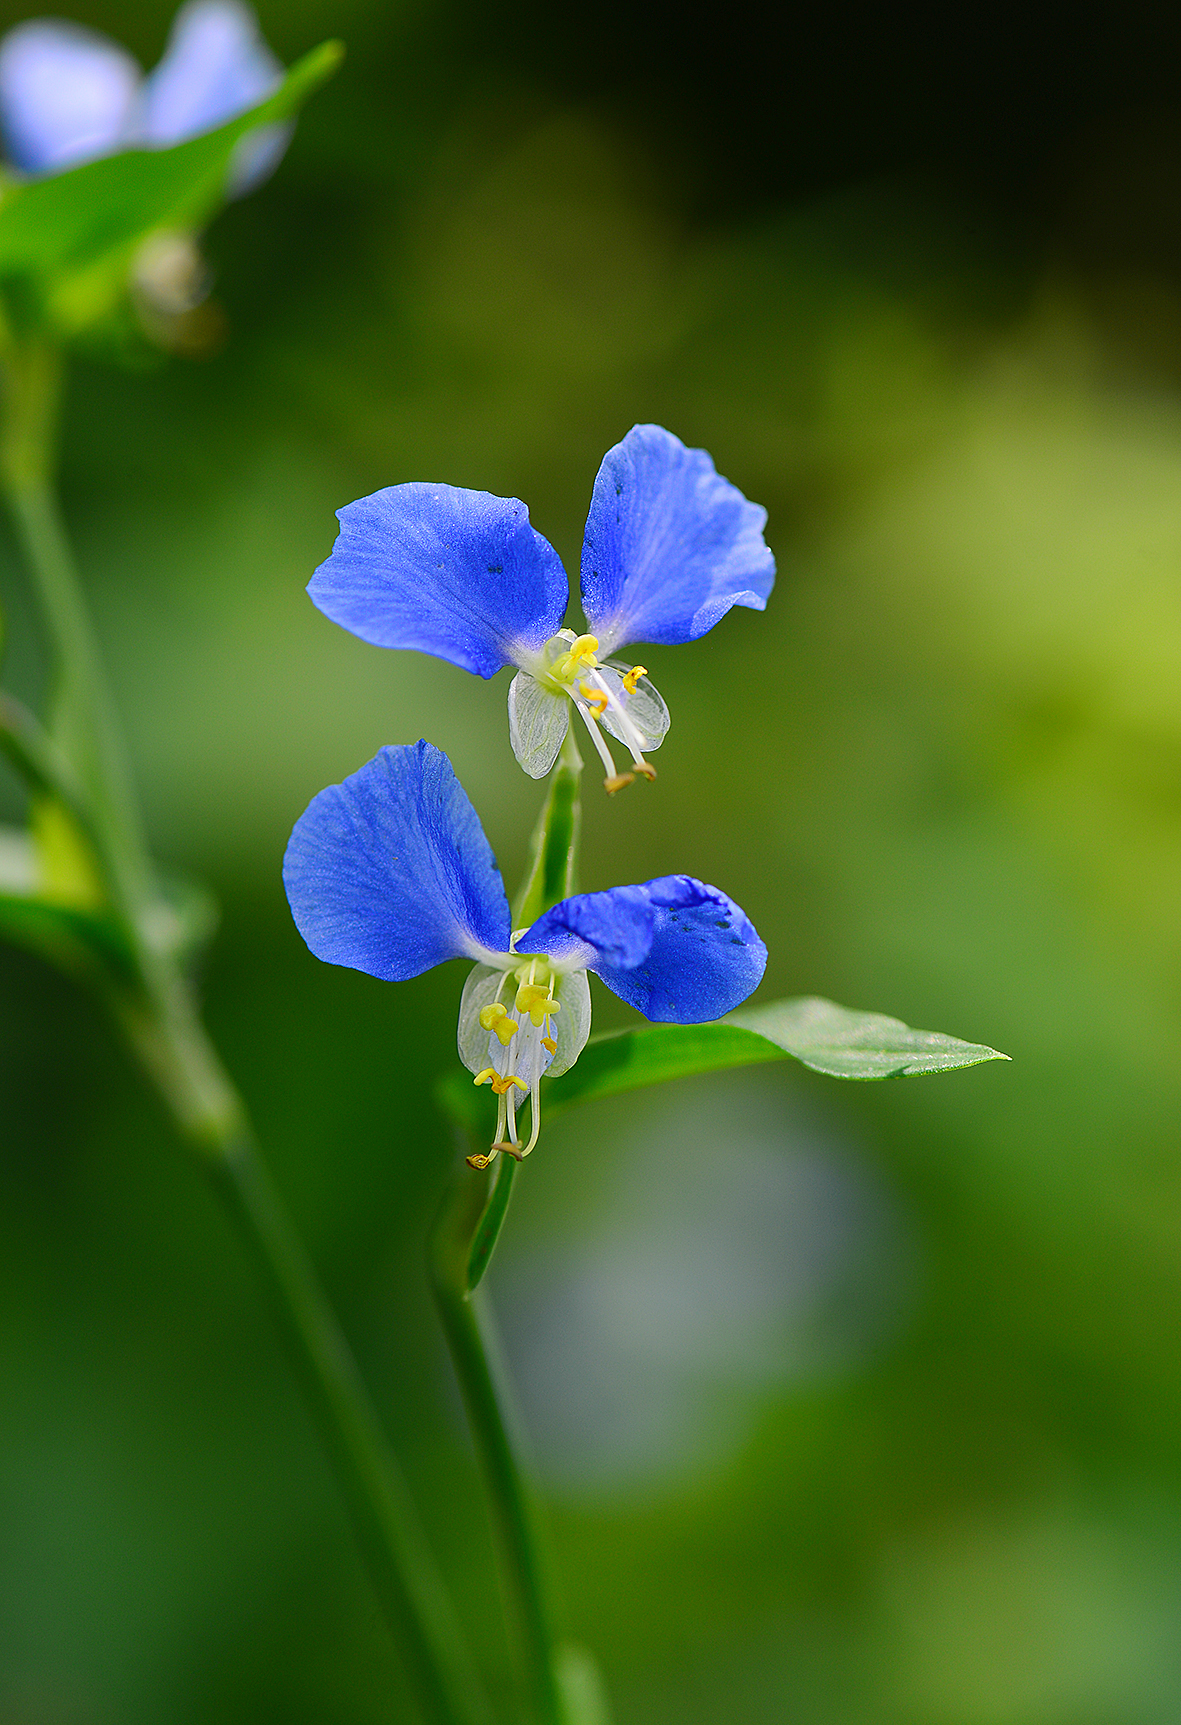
x,y
68,95
390,873
669,547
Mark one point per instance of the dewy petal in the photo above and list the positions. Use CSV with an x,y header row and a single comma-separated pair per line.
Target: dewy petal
x,y
66,95
702,956
537,724
390,871
460,574
670,545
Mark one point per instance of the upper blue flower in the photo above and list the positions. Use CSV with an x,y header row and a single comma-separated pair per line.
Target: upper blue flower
x,y
390,873
68,95
669,547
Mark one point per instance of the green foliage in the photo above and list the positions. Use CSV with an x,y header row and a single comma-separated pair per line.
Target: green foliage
x,y
847,1044
67,241
828,1038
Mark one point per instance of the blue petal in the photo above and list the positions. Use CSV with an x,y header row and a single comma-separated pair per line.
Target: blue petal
x,y
66,95
215,66
390,872
460,574
593,928
679,951
670,545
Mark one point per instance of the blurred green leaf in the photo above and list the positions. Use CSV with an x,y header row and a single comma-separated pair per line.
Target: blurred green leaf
x,y
69,233
828,1038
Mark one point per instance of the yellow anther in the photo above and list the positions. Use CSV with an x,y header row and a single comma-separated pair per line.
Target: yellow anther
x,y
481,1162
646,768
580,656
548,1042
538,1002
499,1085
495,1017
633,677
616,782
598,699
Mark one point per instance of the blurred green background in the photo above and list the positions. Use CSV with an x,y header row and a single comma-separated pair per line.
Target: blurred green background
x,y
854,1404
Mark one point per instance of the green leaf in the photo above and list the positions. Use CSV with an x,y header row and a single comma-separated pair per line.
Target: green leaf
x,y
69,233
87,945
848,1044
828,1038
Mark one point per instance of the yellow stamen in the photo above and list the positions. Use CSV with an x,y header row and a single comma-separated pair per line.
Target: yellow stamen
x,y
597,699
481,1162
499,1085
617,782
646,768
495,1017
548,1042
633,677
580,656
538,1002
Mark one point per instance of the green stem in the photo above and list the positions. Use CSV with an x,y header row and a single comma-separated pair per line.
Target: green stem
x,y
465,1327
155,1009
553,850
82,718
491,1222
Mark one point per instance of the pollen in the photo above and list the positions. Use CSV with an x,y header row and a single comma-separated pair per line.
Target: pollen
x,y
499,1085
538,1002
580,656
495,1017
633,677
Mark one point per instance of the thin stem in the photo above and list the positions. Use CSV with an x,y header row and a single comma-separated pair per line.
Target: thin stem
x,y
464,1325
491,1222
553,851
401,1567
154,1006
82,719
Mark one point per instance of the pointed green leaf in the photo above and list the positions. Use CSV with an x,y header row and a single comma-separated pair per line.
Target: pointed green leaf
x,y
81,223
848,1044
829,1038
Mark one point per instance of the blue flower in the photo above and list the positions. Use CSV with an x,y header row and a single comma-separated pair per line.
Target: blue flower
x,y
68,95
669,547
390,873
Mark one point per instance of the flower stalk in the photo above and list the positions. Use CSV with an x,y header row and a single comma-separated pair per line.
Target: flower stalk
x,y
80,760
458,1244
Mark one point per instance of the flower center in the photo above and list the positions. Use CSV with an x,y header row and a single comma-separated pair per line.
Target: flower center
x,y
575,670
520,1048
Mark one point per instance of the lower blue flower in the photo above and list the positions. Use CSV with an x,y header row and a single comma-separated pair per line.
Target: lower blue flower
x,y
390,873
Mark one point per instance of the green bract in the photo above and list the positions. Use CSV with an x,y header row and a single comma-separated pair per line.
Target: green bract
x,y
67,242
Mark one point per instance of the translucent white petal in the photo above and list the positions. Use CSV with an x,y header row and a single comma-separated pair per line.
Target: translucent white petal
x,y
537,724
643,705
479,990
570,1026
